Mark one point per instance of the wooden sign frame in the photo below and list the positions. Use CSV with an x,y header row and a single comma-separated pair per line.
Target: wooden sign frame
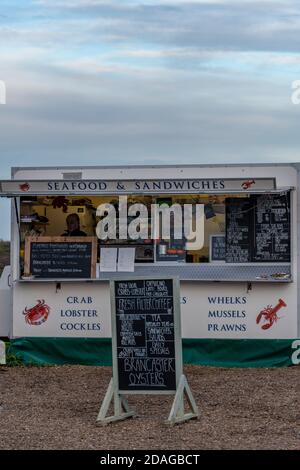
x,y
30,240
114,394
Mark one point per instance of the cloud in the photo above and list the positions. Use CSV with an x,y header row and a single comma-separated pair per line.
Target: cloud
x,y
148,81
100,82
232,25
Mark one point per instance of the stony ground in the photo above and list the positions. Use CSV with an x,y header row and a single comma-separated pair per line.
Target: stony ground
x,y
56,408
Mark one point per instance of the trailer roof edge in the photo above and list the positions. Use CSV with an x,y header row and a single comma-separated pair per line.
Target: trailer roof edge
x,y
131,166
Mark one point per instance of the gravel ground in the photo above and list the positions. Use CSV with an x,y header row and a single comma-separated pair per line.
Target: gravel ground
x,y
56,408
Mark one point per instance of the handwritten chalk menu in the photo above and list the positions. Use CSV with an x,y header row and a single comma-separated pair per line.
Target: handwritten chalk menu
x,y
145,315
217,248
238,230
272,238
60,257
258,228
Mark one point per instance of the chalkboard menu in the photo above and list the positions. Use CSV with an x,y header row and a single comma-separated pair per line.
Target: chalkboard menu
x,y
238,230
272,238
145,315
60,257
217,248
258,228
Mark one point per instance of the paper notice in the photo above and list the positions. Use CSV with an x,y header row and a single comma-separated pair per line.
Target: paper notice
x,y
126,259
108,259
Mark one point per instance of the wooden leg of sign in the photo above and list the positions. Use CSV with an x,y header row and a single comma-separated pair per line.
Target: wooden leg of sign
x,y
177,414
121,407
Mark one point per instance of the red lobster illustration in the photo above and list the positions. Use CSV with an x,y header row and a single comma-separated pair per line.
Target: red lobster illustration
x,y
270,314
38,314
247,184
24,187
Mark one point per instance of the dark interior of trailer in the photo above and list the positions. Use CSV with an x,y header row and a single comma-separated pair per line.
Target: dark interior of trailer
x,y
238,228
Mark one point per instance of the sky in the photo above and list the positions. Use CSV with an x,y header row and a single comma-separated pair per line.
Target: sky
x,y
149,81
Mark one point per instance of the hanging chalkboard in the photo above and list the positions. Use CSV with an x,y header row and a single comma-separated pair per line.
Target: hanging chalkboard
x,y
258,229
145,329
238,230
217,248
60,257
271,234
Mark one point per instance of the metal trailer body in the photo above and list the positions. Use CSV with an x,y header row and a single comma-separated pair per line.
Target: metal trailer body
x,y
80,309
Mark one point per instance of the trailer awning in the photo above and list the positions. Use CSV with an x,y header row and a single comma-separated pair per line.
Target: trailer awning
x,y
13,188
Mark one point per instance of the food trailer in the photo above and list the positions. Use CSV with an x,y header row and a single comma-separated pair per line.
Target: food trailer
x,y
239,289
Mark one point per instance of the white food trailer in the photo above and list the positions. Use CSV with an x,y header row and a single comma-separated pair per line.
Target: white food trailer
x,y
239,291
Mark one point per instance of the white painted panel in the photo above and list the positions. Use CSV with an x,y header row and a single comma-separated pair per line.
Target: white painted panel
x,y
5,302
75,310
209,310
227,310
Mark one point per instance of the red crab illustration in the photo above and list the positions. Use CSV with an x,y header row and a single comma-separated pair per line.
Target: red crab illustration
x,y
270,314
24,187
38,314
247,184
60,201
